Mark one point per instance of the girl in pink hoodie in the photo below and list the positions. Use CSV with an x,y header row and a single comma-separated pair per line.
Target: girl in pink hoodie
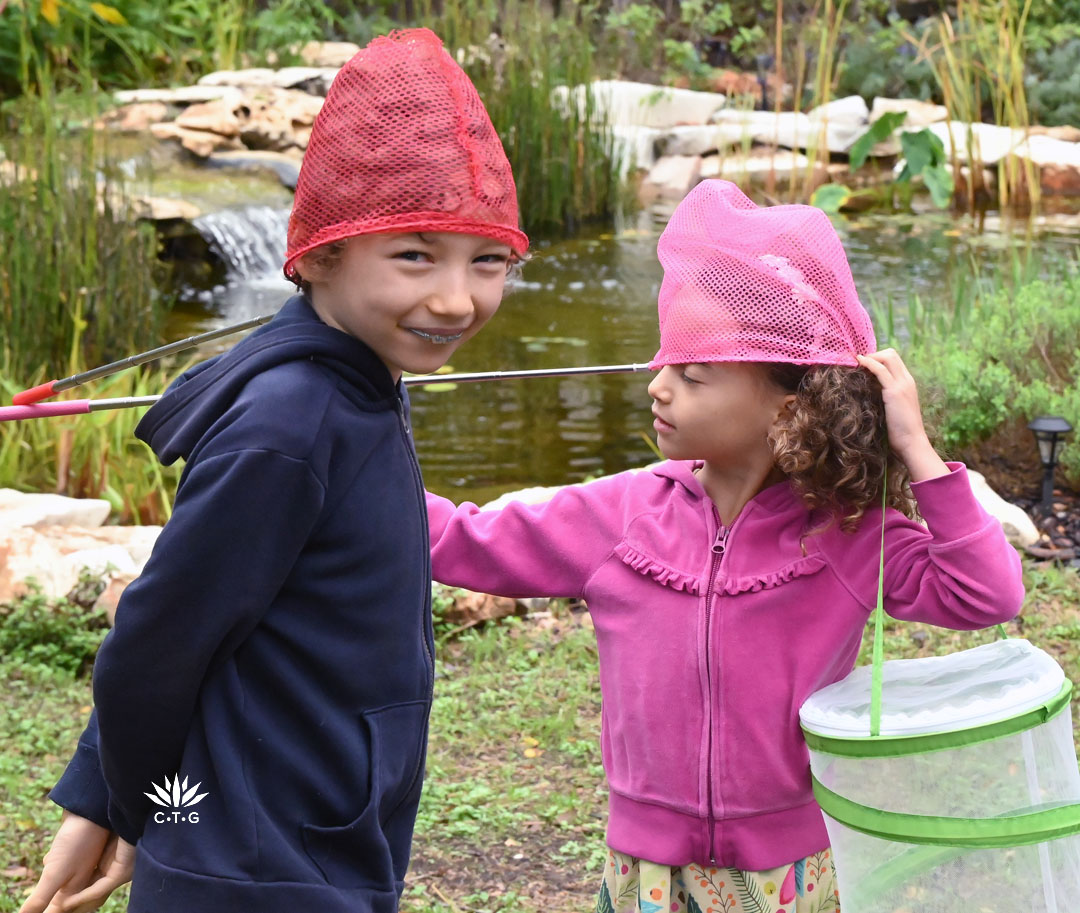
x,y
732,581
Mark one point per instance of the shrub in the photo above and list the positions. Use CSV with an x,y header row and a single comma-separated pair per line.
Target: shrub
x,y
988,358
59,633
1053,84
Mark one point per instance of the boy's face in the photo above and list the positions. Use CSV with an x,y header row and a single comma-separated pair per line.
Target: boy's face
x,y
413,298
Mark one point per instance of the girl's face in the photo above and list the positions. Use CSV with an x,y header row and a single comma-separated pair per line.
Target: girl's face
x,y
719,412
413,298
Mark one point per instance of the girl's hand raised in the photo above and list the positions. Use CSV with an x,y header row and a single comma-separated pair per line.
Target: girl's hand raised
x,y
907,436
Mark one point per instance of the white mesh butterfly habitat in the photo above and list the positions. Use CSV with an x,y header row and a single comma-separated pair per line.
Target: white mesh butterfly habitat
x,y
954,788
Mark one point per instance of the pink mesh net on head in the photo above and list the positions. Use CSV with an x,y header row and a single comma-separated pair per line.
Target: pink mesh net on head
x,y
749,283
402,143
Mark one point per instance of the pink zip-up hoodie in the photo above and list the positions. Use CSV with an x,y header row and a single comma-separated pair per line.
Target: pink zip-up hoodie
x,y
710,638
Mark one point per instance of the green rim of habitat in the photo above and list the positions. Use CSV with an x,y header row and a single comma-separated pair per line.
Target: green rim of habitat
x,y
1022,827
899,746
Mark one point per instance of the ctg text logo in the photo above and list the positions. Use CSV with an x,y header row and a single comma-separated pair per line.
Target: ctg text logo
x,y
176,795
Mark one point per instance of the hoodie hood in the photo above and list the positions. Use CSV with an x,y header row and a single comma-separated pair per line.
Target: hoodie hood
x,y
776,497
199,397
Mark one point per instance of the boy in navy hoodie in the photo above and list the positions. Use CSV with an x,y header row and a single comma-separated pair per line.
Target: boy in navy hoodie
x,y
262,701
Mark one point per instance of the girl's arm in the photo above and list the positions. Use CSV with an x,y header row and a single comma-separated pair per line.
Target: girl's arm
x,y
549,549
960,572
907,436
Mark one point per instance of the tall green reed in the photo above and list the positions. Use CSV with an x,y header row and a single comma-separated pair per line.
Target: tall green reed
x,y
977,58
79,275
517,53
94,455
79,280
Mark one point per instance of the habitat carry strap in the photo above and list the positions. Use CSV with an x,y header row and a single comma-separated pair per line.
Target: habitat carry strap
x,y
878,655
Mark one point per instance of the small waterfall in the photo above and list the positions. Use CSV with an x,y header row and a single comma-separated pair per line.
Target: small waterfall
x,y
250,240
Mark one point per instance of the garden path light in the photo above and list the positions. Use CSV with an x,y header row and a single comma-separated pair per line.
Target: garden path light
x,y
1049,431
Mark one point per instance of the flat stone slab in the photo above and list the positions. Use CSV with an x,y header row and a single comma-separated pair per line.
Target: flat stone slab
x,y
20,509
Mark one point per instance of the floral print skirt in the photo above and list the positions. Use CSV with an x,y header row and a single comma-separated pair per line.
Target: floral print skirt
x,y
635,886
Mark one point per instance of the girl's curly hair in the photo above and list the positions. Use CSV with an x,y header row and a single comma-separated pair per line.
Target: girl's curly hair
x,y
833,444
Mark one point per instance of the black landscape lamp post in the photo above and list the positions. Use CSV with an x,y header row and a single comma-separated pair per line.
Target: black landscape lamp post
x,y
1048,431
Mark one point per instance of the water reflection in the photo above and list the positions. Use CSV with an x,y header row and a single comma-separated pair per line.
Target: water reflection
x,y
592,300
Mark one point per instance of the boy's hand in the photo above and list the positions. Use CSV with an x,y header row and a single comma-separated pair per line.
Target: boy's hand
x,y
907,436
84,865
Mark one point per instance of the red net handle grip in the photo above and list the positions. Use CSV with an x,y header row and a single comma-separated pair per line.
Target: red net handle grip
x,y
34,394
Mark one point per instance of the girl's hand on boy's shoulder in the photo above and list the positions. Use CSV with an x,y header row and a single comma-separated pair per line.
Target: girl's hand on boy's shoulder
x,y
83,866
903,415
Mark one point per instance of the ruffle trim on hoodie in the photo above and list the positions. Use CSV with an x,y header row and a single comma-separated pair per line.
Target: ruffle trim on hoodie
x,y
646,564
753,583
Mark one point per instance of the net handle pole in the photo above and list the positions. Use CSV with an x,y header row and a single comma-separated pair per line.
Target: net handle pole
x,y
52,387
82,406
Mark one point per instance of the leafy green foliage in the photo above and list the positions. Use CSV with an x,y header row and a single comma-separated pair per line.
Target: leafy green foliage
x,y
131,42
830,197
566,167
880,60
879,131
1053,84
93,455
989,357
79,271
924,156
61,634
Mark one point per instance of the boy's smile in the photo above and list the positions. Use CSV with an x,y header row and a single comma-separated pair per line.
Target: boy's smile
x,y
413,298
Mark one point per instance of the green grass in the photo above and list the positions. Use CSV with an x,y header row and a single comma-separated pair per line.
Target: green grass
x,y
513,812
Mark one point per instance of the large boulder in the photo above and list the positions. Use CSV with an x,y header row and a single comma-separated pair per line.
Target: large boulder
x,y
1017,525
642,104
835,126
919,113
133,118
185,95
1057,161
763,165
328,53
219,116
671,179
200,143
55,556
19,509
255,118
278,119
284,165
315,80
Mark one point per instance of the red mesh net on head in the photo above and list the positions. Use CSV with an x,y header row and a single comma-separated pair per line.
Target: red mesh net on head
x,y
402,143
749,283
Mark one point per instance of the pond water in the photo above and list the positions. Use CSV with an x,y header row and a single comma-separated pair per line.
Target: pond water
x,y
591,300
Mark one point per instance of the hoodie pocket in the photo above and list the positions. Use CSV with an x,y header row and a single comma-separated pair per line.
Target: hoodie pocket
x,y
373,849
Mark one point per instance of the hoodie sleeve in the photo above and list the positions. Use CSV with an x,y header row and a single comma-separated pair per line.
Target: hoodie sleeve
x,y
239,522
81,788
550,549
959,572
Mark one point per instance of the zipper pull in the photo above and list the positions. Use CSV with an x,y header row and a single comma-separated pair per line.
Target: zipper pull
x,y
721,541
401,413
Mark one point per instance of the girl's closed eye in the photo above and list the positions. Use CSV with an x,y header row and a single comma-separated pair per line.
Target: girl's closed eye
x,y
687,378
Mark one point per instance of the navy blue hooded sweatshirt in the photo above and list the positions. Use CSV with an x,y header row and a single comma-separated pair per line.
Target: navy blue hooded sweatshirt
x,y
277,648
